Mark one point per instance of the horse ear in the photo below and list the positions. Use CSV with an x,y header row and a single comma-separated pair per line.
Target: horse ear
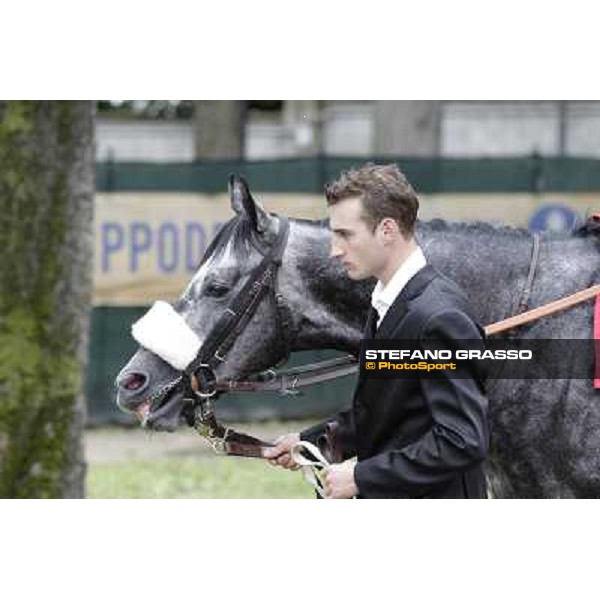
x,y
243,203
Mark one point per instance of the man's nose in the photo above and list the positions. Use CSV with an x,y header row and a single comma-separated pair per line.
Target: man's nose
x,y
335,251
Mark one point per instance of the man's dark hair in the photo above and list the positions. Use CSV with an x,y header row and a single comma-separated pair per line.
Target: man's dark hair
x,y
385,192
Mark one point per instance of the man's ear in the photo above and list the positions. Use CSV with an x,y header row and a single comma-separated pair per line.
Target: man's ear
x,y
388,226
389,230
244,204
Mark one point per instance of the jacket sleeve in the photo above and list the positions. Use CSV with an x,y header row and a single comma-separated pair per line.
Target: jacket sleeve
x,y
346,434
459,433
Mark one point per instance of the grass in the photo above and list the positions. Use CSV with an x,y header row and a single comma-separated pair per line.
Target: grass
x,y
202,477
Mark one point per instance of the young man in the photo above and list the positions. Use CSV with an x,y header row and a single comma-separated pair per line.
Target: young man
x,y
413,438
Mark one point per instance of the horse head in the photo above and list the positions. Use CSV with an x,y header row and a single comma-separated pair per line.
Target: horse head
x,y
149,386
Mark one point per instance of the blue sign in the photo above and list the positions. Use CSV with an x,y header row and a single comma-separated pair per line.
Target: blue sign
x,y
173,246
553,217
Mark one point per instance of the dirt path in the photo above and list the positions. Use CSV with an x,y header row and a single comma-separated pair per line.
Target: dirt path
x,y
123,444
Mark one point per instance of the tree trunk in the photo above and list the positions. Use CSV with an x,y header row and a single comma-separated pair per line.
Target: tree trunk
x,y
46,236
219,129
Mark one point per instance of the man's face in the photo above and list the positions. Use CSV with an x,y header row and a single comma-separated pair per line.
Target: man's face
x,y
360,250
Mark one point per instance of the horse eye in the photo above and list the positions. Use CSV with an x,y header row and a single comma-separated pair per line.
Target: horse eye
x,y
216,290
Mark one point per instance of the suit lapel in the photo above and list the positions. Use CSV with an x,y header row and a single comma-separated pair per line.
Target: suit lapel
x,y
368,334
370,325
399,308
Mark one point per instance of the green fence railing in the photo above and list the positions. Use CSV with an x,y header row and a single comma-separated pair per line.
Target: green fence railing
x,y
308,175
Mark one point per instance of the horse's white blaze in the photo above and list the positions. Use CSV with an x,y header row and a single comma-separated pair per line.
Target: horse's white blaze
x,y
226,258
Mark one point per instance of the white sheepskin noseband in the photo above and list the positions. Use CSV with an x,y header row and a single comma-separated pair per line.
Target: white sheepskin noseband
x,y
165,333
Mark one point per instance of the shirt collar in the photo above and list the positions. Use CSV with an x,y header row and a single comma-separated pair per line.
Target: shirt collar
x,y
383,297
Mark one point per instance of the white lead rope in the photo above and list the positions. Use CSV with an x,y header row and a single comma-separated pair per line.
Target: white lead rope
x,y
312,465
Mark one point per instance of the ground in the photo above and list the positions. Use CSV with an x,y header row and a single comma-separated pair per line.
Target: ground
x,y
133,443
133,463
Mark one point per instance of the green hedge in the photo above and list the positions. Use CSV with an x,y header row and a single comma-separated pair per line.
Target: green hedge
x,y
308,175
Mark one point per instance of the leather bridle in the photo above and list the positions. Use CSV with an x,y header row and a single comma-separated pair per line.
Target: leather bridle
x,y
199,382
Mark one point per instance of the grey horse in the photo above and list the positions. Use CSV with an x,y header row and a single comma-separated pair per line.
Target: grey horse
x,y
544,432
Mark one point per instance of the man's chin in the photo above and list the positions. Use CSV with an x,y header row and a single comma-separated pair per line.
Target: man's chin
x,y
356,275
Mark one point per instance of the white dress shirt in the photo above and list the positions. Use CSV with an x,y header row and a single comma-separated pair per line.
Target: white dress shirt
x,y
383,297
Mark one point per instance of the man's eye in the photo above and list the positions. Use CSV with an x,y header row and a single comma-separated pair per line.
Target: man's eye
x,y
216,289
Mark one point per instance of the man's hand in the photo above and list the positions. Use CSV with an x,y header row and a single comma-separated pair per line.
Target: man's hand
x,y
279,455
339,481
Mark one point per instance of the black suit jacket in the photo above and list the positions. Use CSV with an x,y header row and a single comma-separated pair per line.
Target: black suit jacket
x,y
427,437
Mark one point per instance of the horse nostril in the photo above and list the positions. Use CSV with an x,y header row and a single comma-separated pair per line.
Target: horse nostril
x,y
133,382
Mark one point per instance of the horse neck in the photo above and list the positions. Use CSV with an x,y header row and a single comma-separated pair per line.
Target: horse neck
x,y
329,308
489,263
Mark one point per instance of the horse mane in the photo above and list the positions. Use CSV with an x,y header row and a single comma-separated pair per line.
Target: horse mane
x,y
474,227
442,225
591,228
237,231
